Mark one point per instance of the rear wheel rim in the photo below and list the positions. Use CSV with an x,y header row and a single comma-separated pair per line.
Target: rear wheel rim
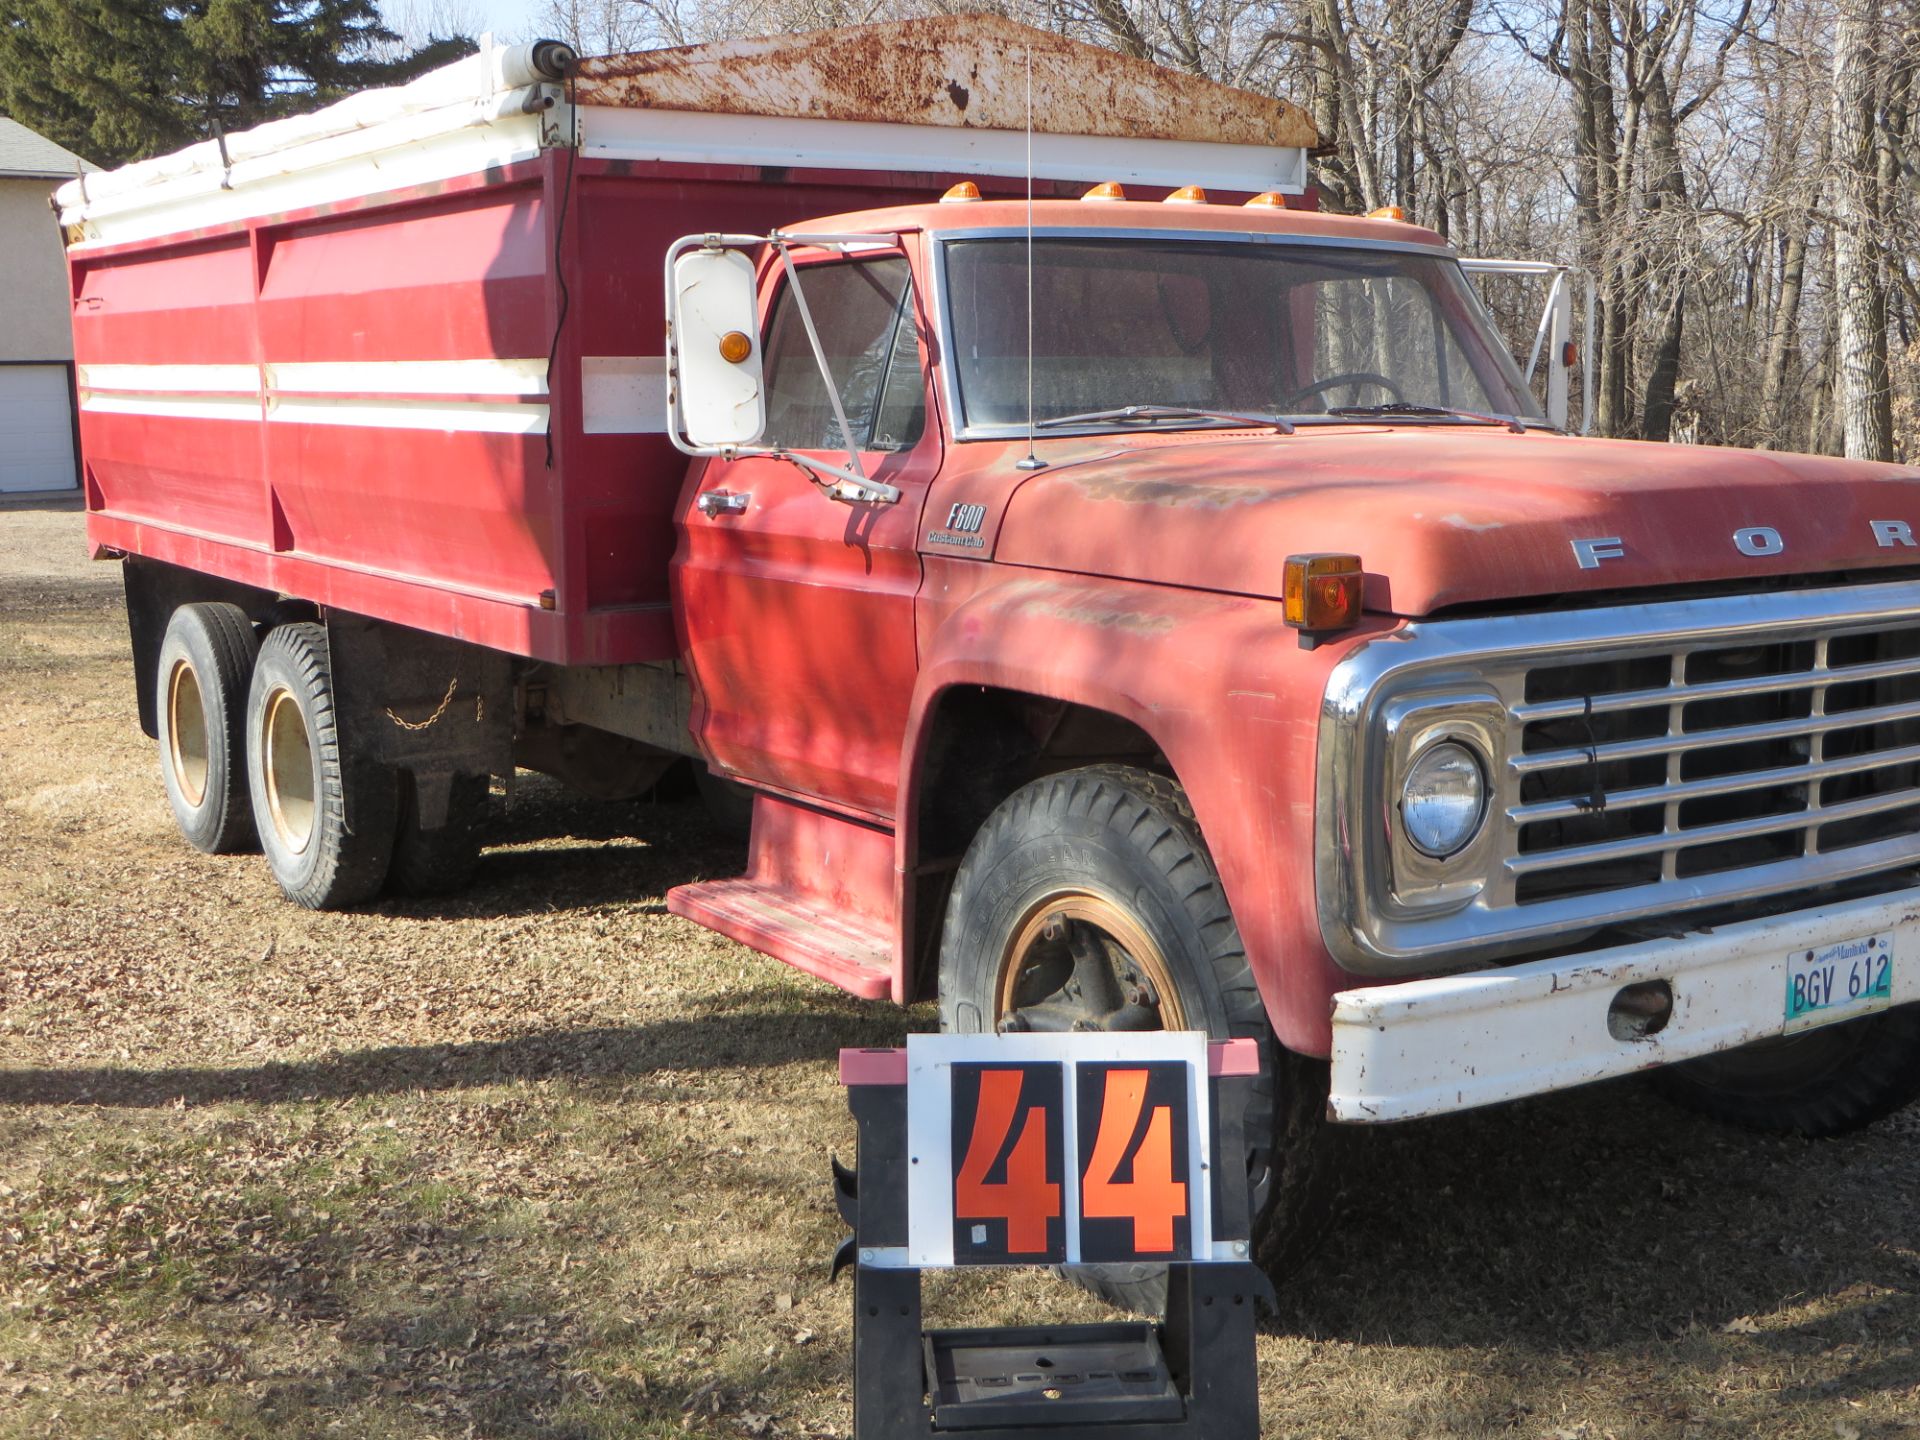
x,y
187,741
286,752
1078,961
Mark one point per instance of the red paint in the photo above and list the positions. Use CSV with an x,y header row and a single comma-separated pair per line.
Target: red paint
x,y
818,893
1233,1057
873,1067
1135,575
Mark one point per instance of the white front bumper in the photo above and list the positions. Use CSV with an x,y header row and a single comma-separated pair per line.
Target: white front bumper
x,y
1426,1047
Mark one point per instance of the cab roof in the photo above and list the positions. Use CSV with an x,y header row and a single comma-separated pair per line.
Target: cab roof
x,y
1146,216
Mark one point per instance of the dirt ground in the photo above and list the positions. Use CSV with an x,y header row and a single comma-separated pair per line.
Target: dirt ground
x,y
545,1160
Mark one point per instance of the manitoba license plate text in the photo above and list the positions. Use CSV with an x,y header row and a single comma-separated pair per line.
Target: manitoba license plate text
x,y
1834,982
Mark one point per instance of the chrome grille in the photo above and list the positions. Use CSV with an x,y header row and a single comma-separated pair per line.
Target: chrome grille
x,y
1730,753
1692,762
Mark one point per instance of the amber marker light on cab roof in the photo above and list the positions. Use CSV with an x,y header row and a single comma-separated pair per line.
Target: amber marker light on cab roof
x,y
1321,593
1105,190
960,194
1387,212
1267,200
1187,195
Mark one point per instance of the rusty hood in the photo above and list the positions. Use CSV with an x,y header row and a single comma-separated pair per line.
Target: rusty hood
x,y
1452,515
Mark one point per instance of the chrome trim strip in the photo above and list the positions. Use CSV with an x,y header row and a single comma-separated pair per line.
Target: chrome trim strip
x,y
1706,739
1368,931
1716,690
1705,834
1746,780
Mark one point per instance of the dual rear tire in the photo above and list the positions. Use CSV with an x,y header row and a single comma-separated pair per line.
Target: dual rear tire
x,y
206,663
326,816
251,753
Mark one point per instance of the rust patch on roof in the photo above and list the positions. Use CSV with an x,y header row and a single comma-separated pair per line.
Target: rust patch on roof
x,y
967,71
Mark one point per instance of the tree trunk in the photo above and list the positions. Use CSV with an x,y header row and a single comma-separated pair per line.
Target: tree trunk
x,y
1783,340
1861,395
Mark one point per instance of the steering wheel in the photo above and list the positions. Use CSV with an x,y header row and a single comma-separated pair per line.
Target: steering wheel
x,y
1345,377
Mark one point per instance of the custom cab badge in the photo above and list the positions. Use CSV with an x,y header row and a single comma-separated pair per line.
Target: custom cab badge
x,y
1751,540
962,529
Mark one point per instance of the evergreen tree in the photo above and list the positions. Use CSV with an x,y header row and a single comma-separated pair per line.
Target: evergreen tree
x,y
120,80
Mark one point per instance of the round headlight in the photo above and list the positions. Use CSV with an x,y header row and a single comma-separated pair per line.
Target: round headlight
x,y
1444,799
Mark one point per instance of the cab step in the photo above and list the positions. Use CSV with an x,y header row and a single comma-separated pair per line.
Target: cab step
x,y
818,894
836,948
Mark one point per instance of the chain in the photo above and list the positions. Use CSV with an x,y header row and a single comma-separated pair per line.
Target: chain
x,y
431,720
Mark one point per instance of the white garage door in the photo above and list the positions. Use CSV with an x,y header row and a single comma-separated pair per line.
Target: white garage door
x,y
36,428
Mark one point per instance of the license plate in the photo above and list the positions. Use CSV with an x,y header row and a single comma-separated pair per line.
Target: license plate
x,y
1839,981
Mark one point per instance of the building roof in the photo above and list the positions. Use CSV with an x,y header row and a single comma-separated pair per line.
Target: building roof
x,y
29,156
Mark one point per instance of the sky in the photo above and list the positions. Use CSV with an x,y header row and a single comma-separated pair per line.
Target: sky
x,y
508,19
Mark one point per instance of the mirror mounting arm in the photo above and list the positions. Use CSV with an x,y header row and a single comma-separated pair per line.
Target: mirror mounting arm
x,y
854,488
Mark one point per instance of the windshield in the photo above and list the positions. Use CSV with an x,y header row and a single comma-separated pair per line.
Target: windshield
x,y
1183,326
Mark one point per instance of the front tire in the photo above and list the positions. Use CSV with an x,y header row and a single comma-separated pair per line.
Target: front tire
x,y
1088,901
1820,1083
200,706
326,815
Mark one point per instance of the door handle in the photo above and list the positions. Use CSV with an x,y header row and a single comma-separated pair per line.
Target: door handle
x,y
721,502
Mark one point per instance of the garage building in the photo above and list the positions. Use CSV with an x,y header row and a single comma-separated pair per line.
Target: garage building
x,y
36,345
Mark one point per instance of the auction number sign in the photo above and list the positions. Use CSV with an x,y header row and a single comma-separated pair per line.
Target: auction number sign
x,y
1056,1149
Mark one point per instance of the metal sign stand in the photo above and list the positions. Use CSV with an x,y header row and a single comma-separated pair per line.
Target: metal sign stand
x,y
1190,1377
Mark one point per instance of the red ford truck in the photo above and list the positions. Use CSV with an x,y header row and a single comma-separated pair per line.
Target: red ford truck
x,y
1131,598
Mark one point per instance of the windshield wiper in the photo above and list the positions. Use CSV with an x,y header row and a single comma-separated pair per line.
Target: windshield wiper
x,y
1402,407
1148,414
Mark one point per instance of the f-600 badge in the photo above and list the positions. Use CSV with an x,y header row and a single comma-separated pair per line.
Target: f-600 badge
x,y
962,528
1755,541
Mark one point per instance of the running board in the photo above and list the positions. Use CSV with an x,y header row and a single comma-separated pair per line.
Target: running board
x,y
818,894
855,957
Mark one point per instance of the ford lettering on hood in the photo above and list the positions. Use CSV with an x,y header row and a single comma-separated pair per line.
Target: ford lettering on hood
x,y
1448,516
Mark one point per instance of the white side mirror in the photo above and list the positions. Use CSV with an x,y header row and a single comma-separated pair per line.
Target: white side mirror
x,y
716,349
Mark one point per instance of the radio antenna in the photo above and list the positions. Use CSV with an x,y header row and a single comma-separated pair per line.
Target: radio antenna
x,y
1031,461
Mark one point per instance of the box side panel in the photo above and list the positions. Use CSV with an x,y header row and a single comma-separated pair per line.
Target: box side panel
x,y
405,358
169,389
347,404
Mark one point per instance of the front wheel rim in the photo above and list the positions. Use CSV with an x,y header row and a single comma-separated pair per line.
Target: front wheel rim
x,y
287,762
187,742
1078,961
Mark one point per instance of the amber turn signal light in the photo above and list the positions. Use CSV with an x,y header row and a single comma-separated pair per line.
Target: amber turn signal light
x,y
1321,592
1187,195
960,194
1105,190
735,347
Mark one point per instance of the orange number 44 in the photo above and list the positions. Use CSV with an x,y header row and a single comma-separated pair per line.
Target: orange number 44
x,y
1153,1199
1026,1199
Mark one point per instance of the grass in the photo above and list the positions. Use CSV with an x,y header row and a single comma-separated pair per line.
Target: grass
x,y
542,1160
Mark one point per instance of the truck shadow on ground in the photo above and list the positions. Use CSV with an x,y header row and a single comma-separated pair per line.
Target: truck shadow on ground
x,y
748,1037
1606,1221
548,851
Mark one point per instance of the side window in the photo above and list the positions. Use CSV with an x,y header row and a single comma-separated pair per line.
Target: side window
x,y
863,310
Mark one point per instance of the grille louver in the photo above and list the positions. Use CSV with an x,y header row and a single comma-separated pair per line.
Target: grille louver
x,y
1665,767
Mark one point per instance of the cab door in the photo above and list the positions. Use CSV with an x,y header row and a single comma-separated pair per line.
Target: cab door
x,y
796,610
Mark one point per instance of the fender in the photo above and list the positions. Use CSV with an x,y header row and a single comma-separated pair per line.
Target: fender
x,y
1221,685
